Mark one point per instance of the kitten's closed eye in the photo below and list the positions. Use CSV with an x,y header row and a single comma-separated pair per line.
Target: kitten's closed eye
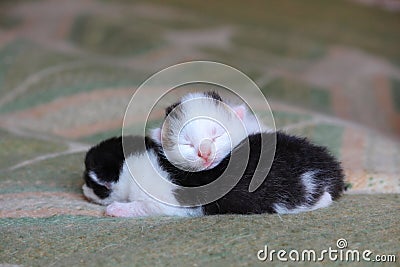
x,y
186,141
188,144
216,136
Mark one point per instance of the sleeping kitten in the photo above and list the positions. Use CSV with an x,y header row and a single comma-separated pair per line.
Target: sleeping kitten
x,y
302,177
108,180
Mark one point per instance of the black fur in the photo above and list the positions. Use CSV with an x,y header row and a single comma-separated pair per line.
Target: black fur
x,y
282,185
214,95
170,108
106,160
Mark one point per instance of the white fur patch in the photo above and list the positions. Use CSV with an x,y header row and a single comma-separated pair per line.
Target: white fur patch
x,y
309,185
252,124
148,174
323,202
146,208
93,175
198,117
155,134
129,200
200,106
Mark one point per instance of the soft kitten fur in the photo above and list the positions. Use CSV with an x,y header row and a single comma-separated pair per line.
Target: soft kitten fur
x,y
201,130
302,177
108,180
107,176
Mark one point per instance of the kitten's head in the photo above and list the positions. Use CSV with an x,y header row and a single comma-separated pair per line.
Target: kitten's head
x,y
200,131
103,163
95,190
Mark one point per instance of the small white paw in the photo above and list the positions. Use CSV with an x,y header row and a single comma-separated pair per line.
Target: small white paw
x,y
130,209
117,209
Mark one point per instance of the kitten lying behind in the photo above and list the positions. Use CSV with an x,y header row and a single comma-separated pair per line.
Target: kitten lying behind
x,y
302,177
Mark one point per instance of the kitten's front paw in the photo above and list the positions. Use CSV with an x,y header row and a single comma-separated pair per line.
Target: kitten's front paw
x,y
130,209
117,209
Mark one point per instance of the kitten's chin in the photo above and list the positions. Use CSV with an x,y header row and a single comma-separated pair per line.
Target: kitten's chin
x,y
193,166
211,166
190,167
205,166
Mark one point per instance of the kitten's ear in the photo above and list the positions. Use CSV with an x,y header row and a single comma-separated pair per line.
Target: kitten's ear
x,y
155,134
171,108
240,111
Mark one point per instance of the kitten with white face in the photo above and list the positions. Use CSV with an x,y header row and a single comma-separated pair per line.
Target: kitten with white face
x,y
304,178
203,130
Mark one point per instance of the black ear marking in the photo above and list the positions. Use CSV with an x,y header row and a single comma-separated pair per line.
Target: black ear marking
x,y
214,95
170,108
211,94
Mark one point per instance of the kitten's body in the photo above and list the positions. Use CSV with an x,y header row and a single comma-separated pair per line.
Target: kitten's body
x,y
302,177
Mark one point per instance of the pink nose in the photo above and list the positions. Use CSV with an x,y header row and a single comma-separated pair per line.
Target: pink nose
x,y
205,149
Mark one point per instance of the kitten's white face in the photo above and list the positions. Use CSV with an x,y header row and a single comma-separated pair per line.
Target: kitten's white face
x,y
203,143
200,132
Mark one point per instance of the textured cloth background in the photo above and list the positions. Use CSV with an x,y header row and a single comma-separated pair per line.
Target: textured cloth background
x,y
330,71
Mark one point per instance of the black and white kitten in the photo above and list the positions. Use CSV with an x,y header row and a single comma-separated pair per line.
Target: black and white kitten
x,y
302,177
109,182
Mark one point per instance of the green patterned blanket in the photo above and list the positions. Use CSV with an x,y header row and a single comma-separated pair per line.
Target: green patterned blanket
x,y
330,71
